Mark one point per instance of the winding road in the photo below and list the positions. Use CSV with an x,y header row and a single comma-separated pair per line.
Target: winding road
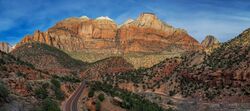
x,y
71,102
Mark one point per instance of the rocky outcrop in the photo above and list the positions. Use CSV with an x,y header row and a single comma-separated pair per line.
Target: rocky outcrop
x,y
5,47
209,41
145,34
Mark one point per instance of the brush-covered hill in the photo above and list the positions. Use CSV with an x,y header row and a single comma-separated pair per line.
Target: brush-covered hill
x,y
223,77
106,66
25,88
47,58
16,83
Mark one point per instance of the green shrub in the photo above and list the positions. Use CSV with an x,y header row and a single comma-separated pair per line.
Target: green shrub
x,y
101,97
59,94
49,105
19,74
98,106
91,93
56,83
4,92
172,93
41,93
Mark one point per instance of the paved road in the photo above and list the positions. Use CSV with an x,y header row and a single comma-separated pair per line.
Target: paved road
x,y
71,103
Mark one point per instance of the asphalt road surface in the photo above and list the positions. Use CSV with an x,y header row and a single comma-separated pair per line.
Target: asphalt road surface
x,y
71,103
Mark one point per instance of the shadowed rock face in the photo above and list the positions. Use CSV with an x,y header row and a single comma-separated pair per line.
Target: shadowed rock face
x,y
145,34
5,47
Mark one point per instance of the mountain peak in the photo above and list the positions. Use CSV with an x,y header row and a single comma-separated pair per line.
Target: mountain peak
x,y
209,41
147,17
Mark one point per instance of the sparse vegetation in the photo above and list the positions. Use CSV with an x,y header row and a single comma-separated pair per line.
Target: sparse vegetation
x,y
48,105
69,78
101,97
91,92
98,105
4,92
58,92
19,74
41,93
131,101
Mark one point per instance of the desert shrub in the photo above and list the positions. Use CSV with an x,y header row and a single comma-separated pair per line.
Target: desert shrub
x,y
55,82
91,92
4,92
49,105
58,92
172,93
98,106
101,97
41,93
19,74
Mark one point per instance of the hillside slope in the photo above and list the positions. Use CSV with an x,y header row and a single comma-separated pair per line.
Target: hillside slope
x,y
47,58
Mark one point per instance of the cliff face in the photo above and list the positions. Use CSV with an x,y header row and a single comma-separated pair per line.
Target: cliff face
x,y
145,34
149,34
76,34
5,47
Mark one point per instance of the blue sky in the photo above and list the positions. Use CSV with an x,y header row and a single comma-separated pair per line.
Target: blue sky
x,y
224,19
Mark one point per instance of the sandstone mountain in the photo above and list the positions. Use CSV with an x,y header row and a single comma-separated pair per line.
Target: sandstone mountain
x,y
149,34
145,34
5,47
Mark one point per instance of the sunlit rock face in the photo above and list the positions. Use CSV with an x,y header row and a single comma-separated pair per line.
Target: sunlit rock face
x,y
149,34
145,34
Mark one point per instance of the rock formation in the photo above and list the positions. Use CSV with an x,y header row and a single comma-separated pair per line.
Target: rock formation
x,y
210,43
145,34
5,47
149,34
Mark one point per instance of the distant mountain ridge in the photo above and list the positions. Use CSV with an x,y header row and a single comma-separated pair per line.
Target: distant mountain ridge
x,y
146,34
